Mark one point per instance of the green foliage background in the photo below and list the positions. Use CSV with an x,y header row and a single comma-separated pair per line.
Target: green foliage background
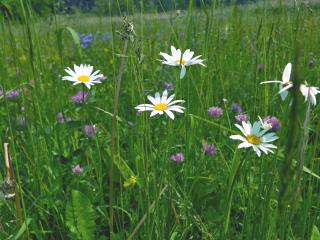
x,y
191,200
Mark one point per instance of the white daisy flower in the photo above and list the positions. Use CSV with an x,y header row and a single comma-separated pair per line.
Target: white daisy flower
x,y
83,74
255,137
309,93
160,105
177,60
285,84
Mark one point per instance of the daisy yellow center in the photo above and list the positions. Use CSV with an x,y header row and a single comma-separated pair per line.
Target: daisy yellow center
x,y
84,78
160,106
254,139
181,61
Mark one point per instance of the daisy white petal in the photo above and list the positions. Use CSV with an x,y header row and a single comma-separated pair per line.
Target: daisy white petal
x,y
244,145
166,56
152,100
164,96
282,89
177,59
285,84
257,150
256,127
170,114
241,129
176,109
274,81
82,74
175,101
153,113
247,127
309,93
161,104
237,137
268,145
183,71
286,73
68,78
255,138
264,150
283,95
157,97
169,99
187,55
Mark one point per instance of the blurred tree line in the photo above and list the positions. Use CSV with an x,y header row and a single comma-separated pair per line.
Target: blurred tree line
x,y
45,7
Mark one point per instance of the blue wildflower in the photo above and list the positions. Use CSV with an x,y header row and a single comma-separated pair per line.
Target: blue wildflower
x,y
106,36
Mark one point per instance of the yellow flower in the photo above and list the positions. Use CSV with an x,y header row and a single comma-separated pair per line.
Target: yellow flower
x,y
130,182
23,58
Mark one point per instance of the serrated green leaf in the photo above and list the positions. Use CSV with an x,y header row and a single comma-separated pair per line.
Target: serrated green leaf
x,y
80,216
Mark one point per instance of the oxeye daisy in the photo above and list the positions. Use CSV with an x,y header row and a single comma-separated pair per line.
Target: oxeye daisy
x,y
254,137
83,74
160,105
183,60
285,84
309,93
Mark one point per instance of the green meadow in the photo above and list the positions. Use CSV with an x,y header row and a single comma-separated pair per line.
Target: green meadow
x,y
91,166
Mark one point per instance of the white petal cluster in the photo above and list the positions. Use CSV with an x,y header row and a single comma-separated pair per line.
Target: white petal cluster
x,y
83,74
178,59
285,84
256,137
309,93
161,104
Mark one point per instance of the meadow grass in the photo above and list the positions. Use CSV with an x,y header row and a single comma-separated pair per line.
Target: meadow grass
x,y
231,195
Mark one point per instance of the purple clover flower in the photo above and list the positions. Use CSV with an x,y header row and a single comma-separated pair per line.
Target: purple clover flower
x,y
275,123
13,94
77,169
90,130
215,112
209,149
242,118
178,157
236,108
80,97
